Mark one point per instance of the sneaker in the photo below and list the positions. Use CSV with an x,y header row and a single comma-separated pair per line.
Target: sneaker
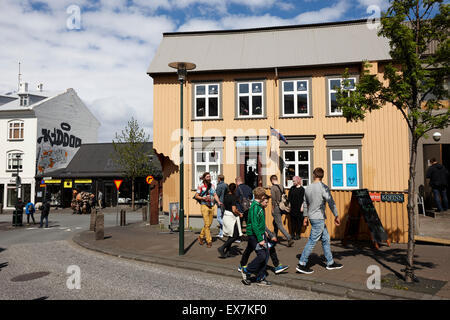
x,y
334,266
245,276
240,268
304,269
200,241
290,243
280,268
264,282
237,241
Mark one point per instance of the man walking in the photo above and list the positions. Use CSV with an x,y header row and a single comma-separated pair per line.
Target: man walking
x,y
45,208
277,192
316,195
221,190
438,176
29,210
244,194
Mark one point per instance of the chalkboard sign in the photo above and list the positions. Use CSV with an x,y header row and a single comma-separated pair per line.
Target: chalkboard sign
x,y
361,204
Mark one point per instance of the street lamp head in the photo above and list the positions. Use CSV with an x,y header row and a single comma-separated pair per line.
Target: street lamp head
x,y
182,68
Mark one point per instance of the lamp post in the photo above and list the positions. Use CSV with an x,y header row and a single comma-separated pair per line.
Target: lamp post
x,y
16,221
182,68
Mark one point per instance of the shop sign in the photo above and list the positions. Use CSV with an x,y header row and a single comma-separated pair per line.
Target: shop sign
x,y
83,181
392,197
375,196
67,184
52,181
251,143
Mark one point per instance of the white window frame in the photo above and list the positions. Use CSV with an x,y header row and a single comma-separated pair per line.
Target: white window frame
x,y
24,101
331,90
21,129
10,159
296,93
207,165
296,162
206,96
345,160
250,95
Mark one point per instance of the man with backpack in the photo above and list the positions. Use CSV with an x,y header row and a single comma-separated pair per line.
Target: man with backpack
x,y
277,192
30,210
245,196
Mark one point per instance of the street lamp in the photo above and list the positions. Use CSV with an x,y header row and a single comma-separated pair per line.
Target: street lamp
x,y
16,221
182,68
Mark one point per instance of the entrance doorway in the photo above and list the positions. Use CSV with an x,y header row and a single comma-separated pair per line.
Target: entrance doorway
x,y
110,196
442,154
250,168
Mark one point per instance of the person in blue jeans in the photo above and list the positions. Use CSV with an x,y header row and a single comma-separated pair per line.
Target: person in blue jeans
x,y
221,189
317,194
439,178
45,212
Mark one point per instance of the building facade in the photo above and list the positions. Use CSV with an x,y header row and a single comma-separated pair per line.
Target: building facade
x,y
41,131
249,81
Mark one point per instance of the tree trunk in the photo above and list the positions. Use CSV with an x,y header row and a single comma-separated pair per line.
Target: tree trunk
x,y
409,270
132,194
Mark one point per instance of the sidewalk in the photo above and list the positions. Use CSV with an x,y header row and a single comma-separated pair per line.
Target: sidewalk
x,y
150,244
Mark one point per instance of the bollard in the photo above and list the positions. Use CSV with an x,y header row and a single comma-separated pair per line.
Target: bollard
x,y
123,220
93,220
100,227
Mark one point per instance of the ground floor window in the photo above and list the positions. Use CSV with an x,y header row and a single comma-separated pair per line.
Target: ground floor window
x,y
296,163
206,161
344,168
11,195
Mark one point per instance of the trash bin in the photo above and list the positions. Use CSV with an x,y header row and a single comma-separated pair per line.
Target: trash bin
x,y
17,218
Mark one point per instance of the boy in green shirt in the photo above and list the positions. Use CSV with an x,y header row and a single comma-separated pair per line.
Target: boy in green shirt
x,y
256,231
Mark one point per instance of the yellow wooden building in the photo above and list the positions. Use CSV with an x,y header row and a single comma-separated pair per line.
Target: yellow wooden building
x,y
249,81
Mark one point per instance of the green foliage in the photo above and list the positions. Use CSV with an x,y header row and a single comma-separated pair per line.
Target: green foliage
x,y
416,82
132,152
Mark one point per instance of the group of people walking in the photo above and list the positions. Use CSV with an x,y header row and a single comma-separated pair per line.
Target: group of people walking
x,y
242,210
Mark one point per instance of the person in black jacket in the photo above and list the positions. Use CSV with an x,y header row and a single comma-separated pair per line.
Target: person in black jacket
x,y
439,177
295,197
45,208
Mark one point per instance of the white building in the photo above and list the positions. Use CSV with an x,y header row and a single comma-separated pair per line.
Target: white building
x,y
42,132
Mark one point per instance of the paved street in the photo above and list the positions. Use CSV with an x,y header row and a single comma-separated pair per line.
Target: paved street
x,y
51,252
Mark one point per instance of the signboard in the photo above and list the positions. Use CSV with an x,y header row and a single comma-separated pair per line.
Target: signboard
x,y
52,181
361,204
375,196
83,181
251,143
174,214
67,184
149,179
118,183
391,197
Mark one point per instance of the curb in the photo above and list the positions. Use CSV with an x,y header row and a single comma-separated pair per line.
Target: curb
x,y
297,281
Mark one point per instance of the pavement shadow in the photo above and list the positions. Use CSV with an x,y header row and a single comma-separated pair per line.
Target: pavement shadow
x,y
190,246
2,249
3,265
382,257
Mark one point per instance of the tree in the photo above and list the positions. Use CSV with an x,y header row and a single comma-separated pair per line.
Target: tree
x,y
415,82
134,156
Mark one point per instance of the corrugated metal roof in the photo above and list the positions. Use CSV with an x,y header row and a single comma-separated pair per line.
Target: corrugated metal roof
x,y
293,46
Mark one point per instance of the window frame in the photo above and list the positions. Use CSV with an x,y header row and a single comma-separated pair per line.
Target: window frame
x,y
344,163
296,162
207,165
21,130
295,93
10,156
250,95
206,96
331,90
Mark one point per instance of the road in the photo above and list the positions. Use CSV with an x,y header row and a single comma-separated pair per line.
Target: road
x,y
51,252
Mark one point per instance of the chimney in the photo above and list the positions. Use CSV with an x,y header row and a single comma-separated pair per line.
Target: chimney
x,y
23,87
40,87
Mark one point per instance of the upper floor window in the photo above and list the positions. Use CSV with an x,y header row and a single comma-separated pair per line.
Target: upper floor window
x,y
207,101
344,168
250,99
295,98
333,84
24,101
15,130
14,159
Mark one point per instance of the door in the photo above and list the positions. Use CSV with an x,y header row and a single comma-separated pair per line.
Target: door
x,y
436,151
250,168
109,195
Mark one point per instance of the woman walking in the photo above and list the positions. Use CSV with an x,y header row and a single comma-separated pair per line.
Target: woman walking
x,y
231,220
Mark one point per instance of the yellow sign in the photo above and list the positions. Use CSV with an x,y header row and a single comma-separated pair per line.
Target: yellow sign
x,y
52,181
149,179
83,181
68,184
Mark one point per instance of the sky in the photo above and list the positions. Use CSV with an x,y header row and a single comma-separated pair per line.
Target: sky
x,y
102,48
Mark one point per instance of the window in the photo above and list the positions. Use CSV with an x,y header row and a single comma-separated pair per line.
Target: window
x,y
15,130
334,83
295,98
297,163
23,101
206,101
12,160
250,99
344,168
206,161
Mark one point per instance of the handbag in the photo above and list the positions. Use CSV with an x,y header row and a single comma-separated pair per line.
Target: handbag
x,y
284,203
